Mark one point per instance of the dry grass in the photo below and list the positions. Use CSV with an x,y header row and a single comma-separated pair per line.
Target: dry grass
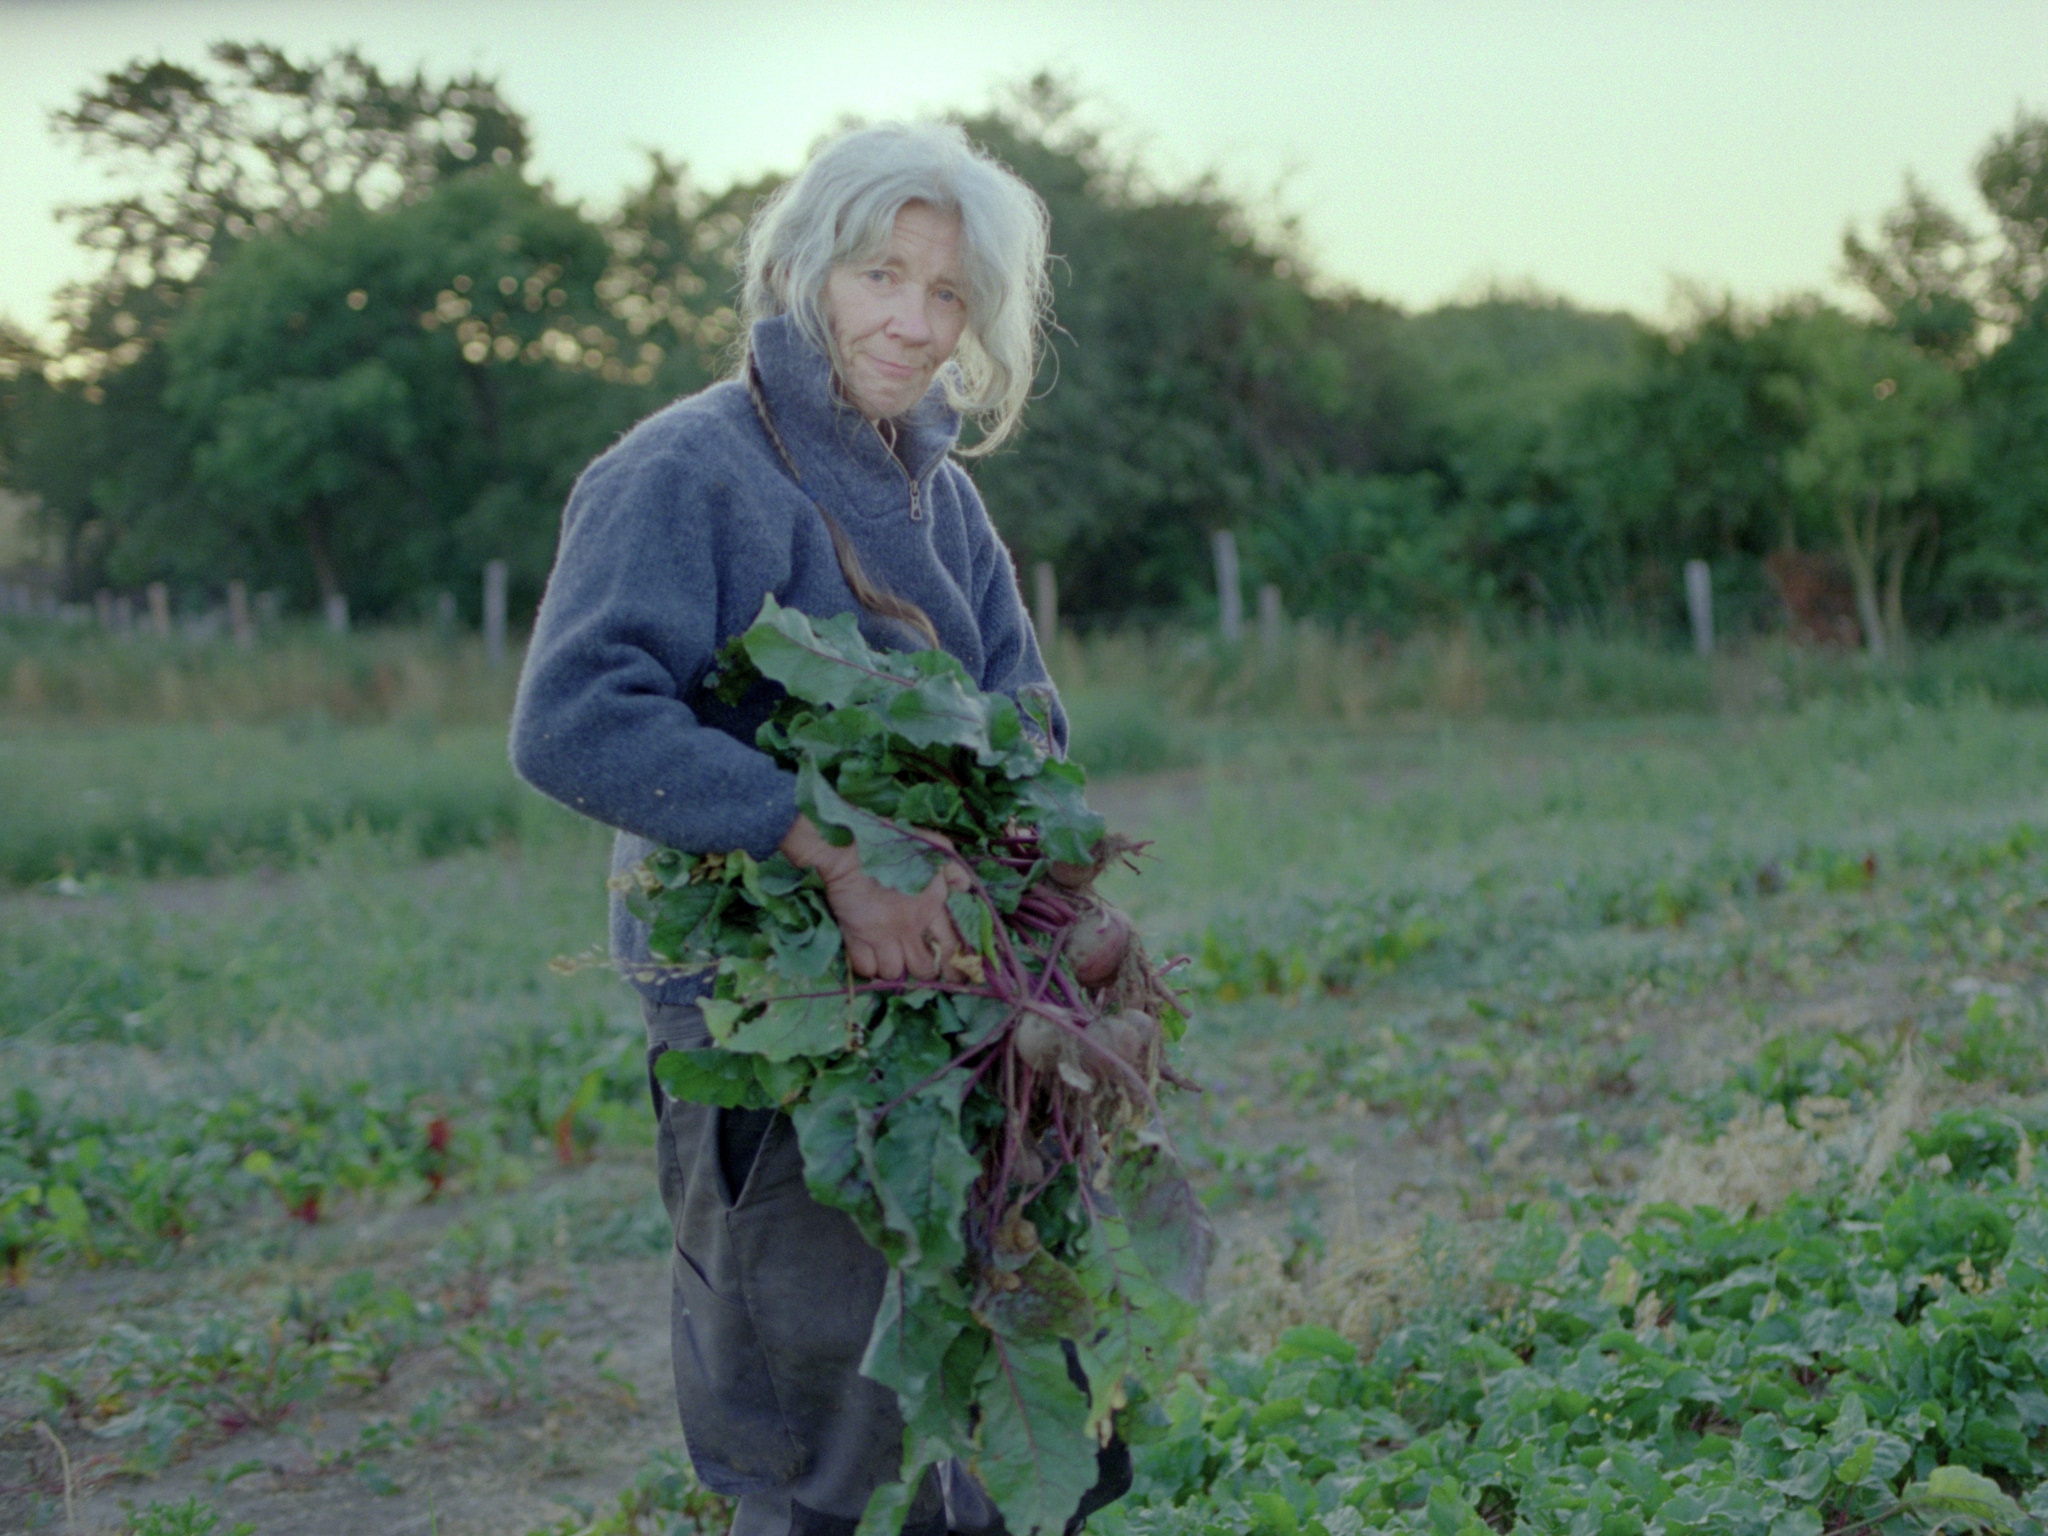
x,y
1314,674
1347,676
1361,1290
363,679
1764,1157
1365,1287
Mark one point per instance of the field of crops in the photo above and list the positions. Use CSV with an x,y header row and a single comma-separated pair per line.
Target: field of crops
x,y
1621,1114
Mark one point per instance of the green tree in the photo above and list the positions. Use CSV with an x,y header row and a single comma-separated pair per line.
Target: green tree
x,y
674,275
2003,566
1375,550
1885,439
254,145
378,403
1924,273
1937,281
50,447
2012,176
260,144
1681,458
1503,385
1203,377
1977,303
1999,568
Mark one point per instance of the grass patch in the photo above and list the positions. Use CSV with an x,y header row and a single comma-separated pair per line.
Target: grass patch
x,y
1476,840
161,800
57,673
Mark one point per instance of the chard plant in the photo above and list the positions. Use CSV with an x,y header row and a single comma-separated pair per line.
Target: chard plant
x,y
994,1133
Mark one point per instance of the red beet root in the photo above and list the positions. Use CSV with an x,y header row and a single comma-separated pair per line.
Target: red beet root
x,y
1132,1037
1074,877
1040,1043
1102,937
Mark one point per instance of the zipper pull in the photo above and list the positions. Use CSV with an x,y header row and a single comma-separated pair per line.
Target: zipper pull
x,y
916,511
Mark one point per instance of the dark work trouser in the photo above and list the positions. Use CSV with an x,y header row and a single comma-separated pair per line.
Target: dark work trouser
x,y
773,1298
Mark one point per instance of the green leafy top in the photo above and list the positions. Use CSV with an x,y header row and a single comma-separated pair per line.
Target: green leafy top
x,y
983,1131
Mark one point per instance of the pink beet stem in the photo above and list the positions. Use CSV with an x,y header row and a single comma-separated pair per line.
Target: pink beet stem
x,y
995,1039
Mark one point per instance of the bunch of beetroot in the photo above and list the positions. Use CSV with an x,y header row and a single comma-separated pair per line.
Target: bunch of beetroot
x,y
994,1133
1087,1039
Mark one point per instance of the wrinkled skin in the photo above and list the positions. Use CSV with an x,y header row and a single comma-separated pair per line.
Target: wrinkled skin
x,y
888,935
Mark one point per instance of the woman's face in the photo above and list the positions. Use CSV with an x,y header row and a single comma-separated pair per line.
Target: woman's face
x,y
896,319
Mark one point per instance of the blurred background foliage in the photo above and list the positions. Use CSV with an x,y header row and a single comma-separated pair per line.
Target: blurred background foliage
x,y
343,342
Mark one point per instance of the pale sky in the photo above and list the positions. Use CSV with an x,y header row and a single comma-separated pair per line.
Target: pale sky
x,y
1600,149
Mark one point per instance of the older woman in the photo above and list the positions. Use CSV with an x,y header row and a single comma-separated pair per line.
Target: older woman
x,y
896,284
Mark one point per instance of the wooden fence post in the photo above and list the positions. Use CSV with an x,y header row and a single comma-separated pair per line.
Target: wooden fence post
x,y
495,573
1045,605
238,614
160,609
103,609
1699,603
1272,621
337,613
1229,591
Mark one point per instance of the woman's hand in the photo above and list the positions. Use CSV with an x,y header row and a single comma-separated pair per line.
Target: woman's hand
x,y
888,935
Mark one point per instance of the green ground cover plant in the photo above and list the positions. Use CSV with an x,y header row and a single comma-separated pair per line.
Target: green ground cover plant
x,y
1131,685
1868,1360
161,1392
192,1517
362,963
1483,1007
81,1188
1350,675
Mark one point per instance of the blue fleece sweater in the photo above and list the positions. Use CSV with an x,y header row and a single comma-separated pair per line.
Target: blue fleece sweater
x,y
670,541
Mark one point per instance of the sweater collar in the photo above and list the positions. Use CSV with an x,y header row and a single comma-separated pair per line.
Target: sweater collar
x,y
829,439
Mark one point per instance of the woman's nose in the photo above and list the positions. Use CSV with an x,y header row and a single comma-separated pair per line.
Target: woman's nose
x,y
908,321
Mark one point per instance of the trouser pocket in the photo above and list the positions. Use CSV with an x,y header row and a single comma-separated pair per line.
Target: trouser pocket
x,y
733,1420
813,1286
774,1296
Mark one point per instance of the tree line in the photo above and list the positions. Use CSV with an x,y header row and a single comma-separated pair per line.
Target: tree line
x,y
343,341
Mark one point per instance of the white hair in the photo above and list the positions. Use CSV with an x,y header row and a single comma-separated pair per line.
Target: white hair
x,y
841,208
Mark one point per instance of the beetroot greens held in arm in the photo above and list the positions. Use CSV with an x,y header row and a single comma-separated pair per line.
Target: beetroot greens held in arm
x,y
993,1130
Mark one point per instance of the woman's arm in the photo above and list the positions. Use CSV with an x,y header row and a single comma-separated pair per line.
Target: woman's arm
x,y
651,573
641,595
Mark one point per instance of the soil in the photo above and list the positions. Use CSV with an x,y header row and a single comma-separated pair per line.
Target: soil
x,y
605,1411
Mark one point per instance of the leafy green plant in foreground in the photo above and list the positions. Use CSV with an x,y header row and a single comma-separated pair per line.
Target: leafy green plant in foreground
x,y
666,1497
136,1187
1866,1361
191,1518
993,1133
162,1391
